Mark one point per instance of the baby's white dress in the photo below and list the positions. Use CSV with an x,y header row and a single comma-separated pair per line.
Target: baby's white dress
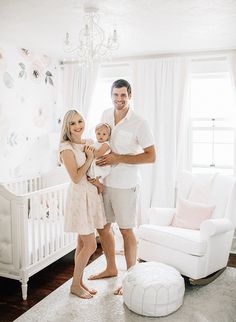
x,y
96,171
84,206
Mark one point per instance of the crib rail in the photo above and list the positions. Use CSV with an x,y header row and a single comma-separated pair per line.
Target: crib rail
x,y
25,185
32,223
45,212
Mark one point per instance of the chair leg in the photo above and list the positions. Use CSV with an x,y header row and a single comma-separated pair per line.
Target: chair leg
x,y
140,260
208,279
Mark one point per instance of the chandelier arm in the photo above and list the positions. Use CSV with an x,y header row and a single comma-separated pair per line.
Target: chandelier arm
x,y
92,45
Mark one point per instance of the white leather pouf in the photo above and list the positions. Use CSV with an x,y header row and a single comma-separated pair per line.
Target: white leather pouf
x,y
153,289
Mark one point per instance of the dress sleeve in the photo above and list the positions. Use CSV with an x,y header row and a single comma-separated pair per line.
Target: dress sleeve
x,y
65,146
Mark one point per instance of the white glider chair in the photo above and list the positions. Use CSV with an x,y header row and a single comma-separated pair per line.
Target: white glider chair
x,y
196,236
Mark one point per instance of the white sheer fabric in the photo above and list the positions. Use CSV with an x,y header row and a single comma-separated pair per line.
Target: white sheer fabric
x,y
78,85
159,94
232,68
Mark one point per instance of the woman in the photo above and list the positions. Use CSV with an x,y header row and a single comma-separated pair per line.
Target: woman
x,y
84,206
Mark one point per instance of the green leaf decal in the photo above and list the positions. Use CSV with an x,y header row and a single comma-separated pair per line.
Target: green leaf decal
x,y
50,81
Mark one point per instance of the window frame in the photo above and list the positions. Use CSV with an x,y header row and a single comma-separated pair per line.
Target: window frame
x,y
198,167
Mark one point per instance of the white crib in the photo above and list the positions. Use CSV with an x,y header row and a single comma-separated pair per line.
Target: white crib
x,y
31,225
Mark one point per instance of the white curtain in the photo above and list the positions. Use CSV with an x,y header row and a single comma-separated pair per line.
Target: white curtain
x,y
160,90
232,68
78,86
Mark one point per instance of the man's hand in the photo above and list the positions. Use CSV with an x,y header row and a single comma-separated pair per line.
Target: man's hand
x,y
111,158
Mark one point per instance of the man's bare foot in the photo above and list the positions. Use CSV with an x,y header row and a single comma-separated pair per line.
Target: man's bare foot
x,y
80,292
119,291
104,274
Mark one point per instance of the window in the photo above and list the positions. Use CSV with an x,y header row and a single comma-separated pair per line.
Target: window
x,y
212,120
102,95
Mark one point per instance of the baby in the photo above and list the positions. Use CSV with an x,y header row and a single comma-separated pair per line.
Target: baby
x,y
102,147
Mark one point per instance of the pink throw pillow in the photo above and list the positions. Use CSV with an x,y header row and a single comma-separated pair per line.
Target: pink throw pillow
x,y
191,214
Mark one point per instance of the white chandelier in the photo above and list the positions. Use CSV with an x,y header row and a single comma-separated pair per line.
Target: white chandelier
x,y
93,45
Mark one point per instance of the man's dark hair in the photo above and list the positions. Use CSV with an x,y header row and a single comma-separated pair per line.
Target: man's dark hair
x,y
121,83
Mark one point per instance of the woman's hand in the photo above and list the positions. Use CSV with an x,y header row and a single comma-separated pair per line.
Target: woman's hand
x,y
89,151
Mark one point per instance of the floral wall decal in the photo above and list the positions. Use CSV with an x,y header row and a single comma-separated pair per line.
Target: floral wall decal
x,y
36,71
48,78
3,63
8,80
29,111
22,73
13,139
26,54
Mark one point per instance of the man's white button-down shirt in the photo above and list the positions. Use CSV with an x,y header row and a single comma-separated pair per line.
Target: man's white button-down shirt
x,y
130,136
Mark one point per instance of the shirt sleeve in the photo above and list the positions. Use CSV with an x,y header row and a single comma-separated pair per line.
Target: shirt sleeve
x,y
103,117
144,135
107,117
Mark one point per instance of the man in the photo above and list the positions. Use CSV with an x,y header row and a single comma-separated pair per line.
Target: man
x,y
131,144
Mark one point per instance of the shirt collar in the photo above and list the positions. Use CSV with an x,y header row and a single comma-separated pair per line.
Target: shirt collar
x,y
127,116
129,113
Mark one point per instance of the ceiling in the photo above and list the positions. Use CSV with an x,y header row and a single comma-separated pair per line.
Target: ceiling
x,y
145,27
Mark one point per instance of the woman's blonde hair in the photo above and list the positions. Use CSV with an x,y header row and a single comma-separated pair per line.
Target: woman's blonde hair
x,y
65,130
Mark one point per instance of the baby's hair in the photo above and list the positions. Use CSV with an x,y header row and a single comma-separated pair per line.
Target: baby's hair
x,y
100,125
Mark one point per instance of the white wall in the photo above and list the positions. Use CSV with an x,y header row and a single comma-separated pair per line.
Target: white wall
x,y
28,112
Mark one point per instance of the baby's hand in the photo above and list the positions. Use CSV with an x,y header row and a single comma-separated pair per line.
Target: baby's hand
x,y
89,151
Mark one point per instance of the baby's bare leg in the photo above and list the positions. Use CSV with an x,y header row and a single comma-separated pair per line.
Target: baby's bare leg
x,y
99,185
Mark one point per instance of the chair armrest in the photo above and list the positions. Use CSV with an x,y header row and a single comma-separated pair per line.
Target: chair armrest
x,y
161,216
212,227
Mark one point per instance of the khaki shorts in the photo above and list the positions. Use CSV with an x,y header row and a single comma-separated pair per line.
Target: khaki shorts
x,y
121,206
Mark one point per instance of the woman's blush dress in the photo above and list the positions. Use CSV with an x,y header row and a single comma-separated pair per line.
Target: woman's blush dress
x,y
84,206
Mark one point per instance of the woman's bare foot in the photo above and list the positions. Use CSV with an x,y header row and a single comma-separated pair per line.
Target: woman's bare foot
x,y
80,292
91,291
119,291
104,274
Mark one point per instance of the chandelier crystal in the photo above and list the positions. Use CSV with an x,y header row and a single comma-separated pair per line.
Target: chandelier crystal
x,y
93,45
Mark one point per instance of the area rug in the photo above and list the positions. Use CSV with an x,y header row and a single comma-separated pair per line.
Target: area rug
x,y
215,302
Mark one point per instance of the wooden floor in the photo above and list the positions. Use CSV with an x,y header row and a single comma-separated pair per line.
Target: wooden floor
x,y
39,286
42,284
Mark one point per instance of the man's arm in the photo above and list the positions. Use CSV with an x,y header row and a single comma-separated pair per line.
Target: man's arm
x,y
147,156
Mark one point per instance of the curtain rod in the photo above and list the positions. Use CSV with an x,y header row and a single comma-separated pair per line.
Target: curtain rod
x,y
194,55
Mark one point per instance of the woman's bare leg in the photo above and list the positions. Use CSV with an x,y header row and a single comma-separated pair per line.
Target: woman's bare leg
x,y
83,252
77,251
